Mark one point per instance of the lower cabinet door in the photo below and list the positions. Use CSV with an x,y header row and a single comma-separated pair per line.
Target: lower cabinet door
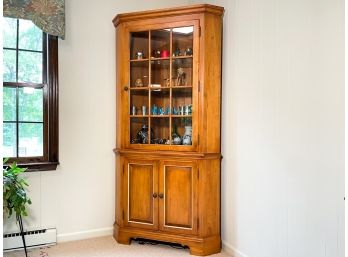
x,y
141,203
178,188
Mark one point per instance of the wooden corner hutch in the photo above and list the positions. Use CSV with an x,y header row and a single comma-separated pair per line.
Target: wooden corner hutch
x,y
168,155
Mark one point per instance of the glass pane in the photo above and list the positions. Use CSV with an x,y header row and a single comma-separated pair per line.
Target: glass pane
x,y
160,102
160,128
9,103
182,101
139,74
30,139
182,131
9,32
139,129
139,45
183,41
30,104
160,73
182,72
160,46
9,63
30,36
29,67
139,102
9,140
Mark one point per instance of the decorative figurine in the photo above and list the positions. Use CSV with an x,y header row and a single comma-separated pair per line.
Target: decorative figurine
x,y
157,53
138,83
188,51
139,55
154,110
181,110
187,110
142,135
167,111
134,110
161,111
167,82
177,52
143,110
164,54
175,111
180,80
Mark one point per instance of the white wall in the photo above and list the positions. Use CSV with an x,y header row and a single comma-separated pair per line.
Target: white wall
x,y
283,128
78,198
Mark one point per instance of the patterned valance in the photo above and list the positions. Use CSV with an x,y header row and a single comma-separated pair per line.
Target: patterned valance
x,y
48,15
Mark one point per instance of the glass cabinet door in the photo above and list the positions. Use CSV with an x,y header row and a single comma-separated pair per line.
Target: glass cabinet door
x,y
161,86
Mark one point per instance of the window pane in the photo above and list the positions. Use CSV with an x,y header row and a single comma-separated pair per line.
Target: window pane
x,y
9,69
182,72
139,45
9,138
30,139
183,41
9,32
30,104
30,36
9,104
29,67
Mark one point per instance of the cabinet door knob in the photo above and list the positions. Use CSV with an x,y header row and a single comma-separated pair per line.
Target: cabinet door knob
x,y
154,195
160,195
125,88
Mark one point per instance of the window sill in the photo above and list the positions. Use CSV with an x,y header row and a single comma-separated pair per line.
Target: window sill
x,y
39,166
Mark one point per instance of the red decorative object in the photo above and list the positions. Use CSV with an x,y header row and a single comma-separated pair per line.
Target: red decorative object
x,y
164,54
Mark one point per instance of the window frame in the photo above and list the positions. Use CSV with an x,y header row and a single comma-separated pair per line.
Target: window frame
x,y
50,158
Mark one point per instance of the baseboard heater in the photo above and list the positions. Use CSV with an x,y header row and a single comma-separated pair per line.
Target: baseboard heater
x,y
33,238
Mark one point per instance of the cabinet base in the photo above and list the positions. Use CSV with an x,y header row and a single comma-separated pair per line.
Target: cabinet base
x,y
198,246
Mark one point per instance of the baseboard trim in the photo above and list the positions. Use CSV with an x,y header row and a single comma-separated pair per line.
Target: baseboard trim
x,y
232,250
84,234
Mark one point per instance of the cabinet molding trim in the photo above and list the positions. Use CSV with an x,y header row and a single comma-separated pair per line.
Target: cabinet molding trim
x,y
191,9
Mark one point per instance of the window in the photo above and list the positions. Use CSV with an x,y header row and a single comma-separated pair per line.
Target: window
x,y
30,95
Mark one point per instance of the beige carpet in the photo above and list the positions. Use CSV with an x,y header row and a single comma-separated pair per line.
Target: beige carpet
x,y
105,247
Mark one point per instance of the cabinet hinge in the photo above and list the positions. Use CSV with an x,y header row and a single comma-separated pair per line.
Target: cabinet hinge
x,y
197,173
197,223
199,86
200,31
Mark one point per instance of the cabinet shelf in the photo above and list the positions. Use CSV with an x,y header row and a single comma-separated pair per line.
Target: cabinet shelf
x,y
139,60
182,57
181,116
138,116
160,116
156,88
139,88
159,58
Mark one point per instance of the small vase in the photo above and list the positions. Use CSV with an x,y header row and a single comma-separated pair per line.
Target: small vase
x,y
187,138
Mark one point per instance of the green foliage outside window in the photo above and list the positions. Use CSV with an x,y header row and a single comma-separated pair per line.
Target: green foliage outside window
x,y
22,104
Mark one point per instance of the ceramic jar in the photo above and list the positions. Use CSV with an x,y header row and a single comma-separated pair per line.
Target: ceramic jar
x,y
187,138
